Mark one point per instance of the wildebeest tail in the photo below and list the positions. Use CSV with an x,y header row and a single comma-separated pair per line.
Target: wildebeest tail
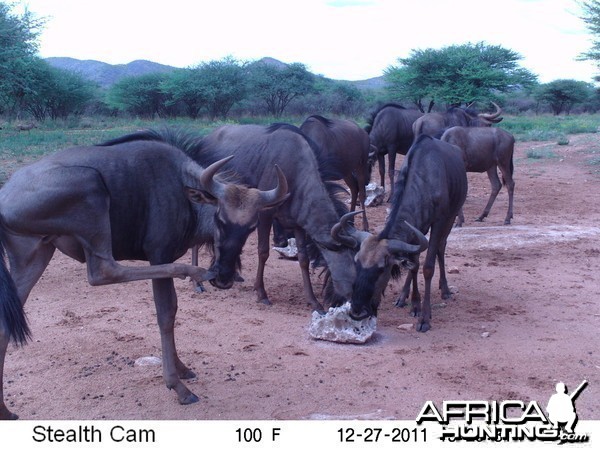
x,y
12,315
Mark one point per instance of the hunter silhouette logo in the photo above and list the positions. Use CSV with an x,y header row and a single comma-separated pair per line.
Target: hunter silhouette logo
x,y
561,407
509,420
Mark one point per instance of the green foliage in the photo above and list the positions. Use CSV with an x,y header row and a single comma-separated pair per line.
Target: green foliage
x,y
562,95
457,74
541,153
277,86
18,45
219,84
591,17
141,96
550,127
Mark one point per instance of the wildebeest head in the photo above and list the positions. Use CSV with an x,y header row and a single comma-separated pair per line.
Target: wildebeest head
x,y
235,218
374,262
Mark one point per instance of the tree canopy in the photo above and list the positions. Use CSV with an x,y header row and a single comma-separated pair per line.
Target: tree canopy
x,y
562,95
591,17
278,86
457,74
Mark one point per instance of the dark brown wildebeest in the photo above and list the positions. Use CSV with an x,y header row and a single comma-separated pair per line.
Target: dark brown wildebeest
x,y
487,150
390,131
434,124
430,190
347,145
311,209
102,204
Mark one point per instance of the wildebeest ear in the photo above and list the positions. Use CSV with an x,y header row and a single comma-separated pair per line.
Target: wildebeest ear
x,y
200,196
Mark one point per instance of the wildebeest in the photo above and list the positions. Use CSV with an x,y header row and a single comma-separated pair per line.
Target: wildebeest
x,y
430,190
390,131
102,204
434,124
347,146
311,208
487,150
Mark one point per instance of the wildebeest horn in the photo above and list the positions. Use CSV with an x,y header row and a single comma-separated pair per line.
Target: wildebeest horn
x,y
491,116
397,246
278,193
216,188
349,236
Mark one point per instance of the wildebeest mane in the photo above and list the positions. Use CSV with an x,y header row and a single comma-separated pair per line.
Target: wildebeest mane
x,y
375,112
327,171
188,141
457,110
327,163
327,122
399,186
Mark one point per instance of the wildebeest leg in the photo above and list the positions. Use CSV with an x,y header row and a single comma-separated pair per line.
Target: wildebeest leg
x,y
411,279
391,171
441,255
165,300
263,231
435,238
28,258
353,185
496,185
460,218
304,263
5,414
198,286
381,165
510,187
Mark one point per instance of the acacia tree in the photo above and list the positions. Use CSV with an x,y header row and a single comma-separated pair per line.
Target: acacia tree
x,y
457,74
140,95
277,86
562,95
591,17
18,46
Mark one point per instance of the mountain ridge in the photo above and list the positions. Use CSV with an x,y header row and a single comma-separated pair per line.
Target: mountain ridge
x,y
105,74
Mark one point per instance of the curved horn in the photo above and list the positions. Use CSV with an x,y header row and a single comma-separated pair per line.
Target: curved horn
x,y
278,193
350,237
216,188
491,116
396,245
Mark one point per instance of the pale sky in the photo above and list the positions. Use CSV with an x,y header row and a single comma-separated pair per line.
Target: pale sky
x,y
340,39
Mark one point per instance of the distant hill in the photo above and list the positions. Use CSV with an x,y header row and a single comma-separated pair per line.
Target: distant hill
x,y
108,74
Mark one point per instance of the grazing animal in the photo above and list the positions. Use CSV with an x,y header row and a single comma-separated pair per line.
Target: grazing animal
x,y
390,131
311,207
347,146
430,190
487,150
434,124
102,204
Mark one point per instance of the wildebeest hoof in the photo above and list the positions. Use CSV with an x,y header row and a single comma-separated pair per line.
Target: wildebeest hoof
x,y
265,301
422,327
9,416
189,399
400,303
200,288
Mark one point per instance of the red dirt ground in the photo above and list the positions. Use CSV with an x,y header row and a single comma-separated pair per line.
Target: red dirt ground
x,y
525,316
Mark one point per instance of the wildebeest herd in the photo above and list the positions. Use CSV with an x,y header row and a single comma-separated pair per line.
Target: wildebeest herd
x,y
152,195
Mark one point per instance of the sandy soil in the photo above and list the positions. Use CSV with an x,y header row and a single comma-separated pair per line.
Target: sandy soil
x,y
525,316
